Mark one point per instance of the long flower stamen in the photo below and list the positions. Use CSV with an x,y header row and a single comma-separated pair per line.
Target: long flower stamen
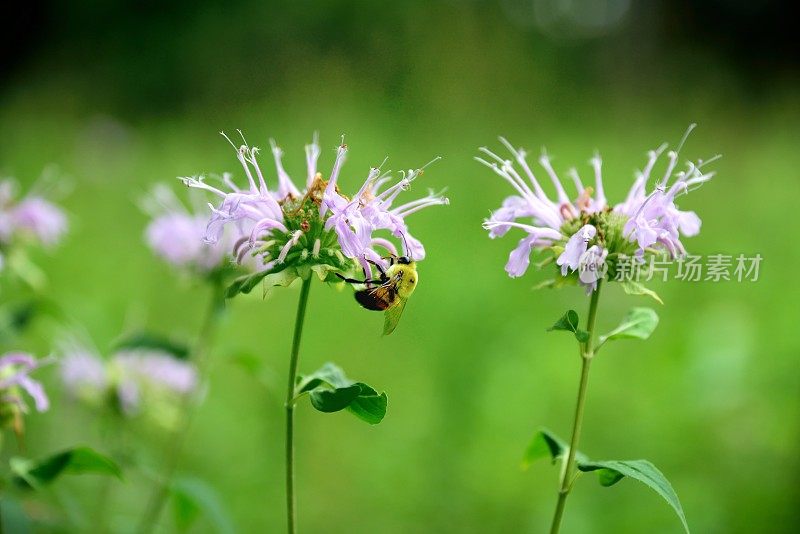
x,y
285,185
262,184
544,161
405,211
576,179
520,157
198,183
508,168
330,189
288,246
545,232
312,156
600,195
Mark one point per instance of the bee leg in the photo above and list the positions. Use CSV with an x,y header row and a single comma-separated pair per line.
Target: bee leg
x,y
354,281
378,266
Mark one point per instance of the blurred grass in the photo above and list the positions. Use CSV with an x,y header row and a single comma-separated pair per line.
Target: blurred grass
x,y
711,398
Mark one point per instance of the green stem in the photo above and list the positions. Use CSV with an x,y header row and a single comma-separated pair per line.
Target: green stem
x,y
200,356
291,508
587,352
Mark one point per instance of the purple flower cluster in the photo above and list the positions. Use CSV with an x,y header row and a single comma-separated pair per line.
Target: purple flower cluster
x,y
654,219
579,229
372,210
15,370
270,223
129,377
176,235
253,212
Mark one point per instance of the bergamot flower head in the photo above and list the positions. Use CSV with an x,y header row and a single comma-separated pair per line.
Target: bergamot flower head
x,y
584,234
292,231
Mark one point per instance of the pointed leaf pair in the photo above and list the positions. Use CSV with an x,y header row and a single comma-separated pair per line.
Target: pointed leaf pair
x,y
569,322
546,444
79,460
330,390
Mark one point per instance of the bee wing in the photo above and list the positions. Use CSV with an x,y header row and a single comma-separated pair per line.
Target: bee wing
x,y
378,298
392,316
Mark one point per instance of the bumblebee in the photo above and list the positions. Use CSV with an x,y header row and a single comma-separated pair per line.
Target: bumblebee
x,y
390,291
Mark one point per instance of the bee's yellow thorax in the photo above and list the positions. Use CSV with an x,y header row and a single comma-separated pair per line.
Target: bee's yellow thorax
x,y
405,278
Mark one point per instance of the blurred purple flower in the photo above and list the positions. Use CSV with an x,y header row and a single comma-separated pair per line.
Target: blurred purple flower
x,y
177,236
134,376
83,372
41,218
151,370
15,369
32,216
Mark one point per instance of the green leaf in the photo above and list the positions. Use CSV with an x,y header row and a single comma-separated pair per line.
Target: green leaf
x,y
334,400
609,477
279,275
331,391
192,498
639,323
370,406
244,284
14,319
80,460
152,341
546,444
612,471
329,373
569,322
635,288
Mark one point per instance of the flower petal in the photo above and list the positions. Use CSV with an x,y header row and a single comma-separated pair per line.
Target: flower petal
x,y
36,391
520,258
576,246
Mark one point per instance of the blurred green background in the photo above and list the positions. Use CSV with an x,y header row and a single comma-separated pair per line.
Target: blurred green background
x,y
121,96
